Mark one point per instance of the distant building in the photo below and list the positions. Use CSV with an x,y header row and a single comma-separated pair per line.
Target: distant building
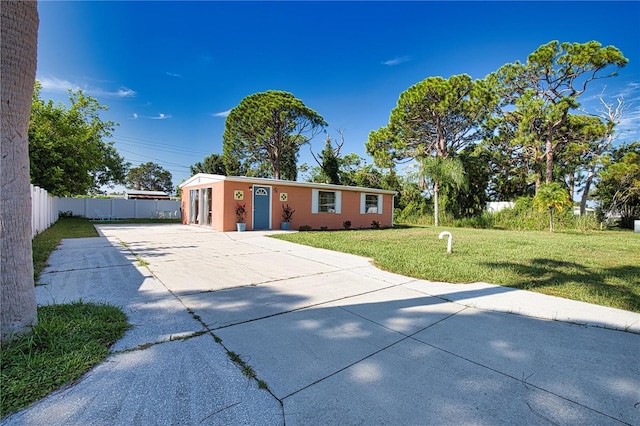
x,y
134,194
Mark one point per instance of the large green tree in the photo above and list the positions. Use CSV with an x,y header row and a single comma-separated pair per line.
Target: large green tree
x,y
576,141
433,120
328,169
619,188
18,52
511,171
610,115
263,134
538,96
69,149
212,164
150,177
435,117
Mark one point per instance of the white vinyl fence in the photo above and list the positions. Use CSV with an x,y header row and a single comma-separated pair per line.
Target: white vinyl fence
x,y
44,210
119,208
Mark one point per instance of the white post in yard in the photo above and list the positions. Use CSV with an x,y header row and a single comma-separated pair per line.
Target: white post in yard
x,y
450,240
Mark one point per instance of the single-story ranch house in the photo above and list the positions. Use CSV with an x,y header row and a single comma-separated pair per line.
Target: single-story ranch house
x,y
211,200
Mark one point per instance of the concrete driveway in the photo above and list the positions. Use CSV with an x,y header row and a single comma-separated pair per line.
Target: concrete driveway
x,y
336,340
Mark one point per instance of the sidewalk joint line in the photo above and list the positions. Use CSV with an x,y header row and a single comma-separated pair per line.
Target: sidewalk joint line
x,y
373,353
521,380
302,308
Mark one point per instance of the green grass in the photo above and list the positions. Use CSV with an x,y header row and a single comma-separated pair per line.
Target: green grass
x,y
601,267
44,243
67,342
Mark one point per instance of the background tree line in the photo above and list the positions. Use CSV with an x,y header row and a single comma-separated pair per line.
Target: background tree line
x,y
519,132
450,146
70,152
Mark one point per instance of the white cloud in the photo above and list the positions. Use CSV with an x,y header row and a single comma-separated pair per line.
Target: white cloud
x,y
53,84
396,61
160,116
170,74
56,85
628,126
630,94
124,92
221,114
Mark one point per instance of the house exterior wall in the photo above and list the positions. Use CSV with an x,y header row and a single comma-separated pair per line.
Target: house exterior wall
x,y
299,197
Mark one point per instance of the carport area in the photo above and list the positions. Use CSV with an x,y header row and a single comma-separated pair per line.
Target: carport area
x,y
336,340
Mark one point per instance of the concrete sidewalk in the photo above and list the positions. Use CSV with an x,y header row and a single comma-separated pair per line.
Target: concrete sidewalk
x,y
336,340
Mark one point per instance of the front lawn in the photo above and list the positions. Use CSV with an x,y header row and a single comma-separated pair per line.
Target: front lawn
x,y
601,267
66,343
68,340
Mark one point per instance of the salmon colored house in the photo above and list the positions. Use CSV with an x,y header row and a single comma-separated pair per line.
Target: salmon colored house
x,y
211,200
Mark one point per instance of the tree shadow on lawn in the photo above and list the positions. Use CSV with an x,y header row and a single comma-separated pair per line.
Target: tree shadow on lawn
x,y
578,282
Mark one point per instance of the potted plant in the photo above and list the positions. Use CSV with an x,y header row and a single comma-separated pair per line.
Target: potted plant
x,y
287,214
241,217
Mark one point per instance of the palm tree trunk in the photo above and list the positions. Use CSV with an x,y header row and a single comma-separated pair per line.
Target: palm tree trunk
x,y
551,220
18,68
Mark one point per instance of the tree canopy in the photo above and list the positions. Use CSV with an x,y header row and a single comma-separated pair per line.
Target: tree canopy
x,y
619,188
263,135
435,117
68,148
433,121
212,164
537,97
149,177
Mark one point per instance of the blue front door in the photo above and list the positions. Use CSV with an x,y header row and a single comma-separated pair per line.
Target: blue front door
x,y
261,207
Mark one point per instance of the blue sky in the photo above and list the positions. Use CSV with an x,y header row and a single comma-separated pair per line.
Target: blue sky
x,y
170,71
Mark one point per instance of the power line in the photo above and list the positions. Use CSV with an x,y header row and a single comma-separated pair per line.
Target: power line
x,y
159,145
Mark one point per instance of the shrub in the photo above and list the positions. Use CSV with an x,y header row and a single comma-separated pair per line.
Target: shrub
x,y
346,224
483,221
587,223
303,228
287,213
375,225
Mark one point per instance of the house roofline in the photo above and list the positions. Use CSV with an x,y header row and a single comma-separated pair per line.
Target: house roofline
x,y
201,178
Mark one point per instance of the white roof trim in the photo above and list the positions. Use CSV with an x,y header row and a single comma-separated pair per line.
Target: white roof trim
x,y
203,178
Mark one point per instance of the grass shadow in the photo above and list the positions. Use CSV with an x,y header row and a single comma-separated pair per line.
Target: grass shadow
x,y
558,278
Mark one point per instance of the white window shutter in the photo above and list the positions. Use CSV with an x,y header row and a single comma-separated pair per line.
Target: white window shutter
x,y
380,196
338,202
363,203
314,200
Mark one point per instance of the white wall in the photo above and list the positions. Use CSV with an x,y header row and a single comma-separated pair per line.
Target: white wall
x,y
496,206
118,208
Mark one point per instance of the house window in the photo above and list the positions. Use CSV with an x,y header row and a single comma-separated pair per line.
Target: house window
x,y
370,203
326,201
